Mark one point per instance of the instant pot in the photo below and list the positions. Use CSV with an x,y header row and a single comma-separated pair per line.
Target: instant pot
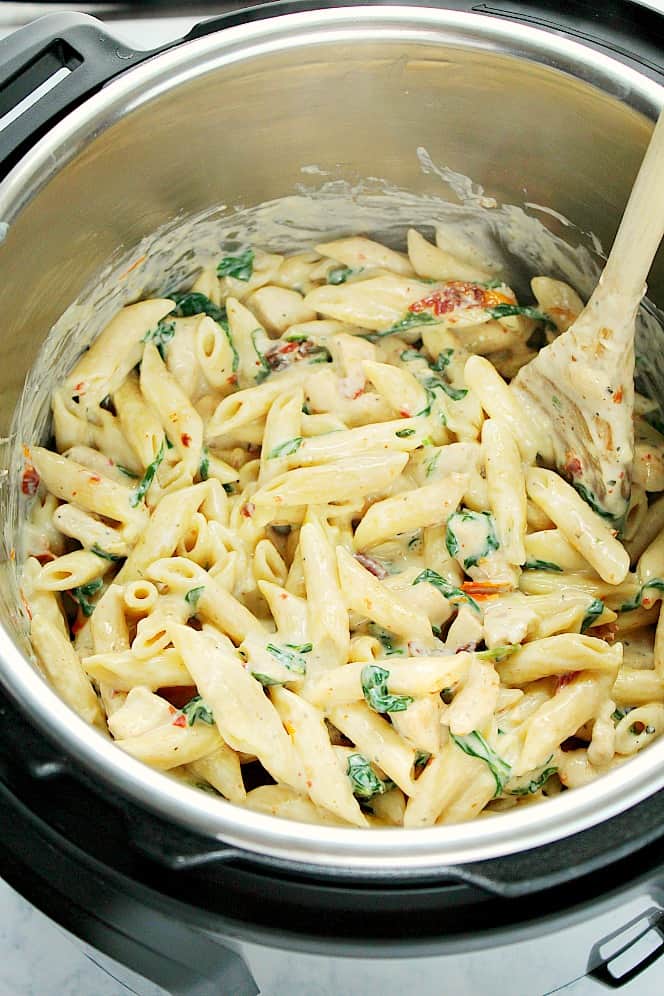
x,y
101,146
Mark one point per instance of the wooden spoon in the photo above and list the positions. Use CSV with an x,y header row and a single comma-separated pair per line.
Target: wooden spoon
x,y
579,390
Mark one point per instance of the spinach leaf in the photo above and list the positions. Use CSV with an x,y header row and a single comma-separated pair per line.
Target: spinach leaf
x,y
127,472
593,611
541,565
404,433
431,464
507,310
447,590
376,695
655,420
422,758
410,320
114,557
433,384
475,745
386,640
340,274
192,597
265,679
290,656
241,267
455,545
148,477
499,654
82,593
161,336
620,713
366,783
265,368
637,601
591,500
204,465
286,448
194,303
535,784
196,710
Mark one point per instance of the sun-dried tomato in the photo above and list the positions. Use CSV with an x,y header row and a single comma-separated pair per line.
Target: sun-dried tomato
x,y
29,481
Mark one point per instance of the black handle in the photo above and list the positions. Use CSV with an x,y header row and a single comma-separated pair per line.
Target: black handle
x,y
624,943
46,69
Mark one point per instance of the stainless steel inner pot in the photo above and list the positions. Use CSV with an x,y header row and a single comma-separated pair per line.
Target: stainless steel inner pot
x,y
231,119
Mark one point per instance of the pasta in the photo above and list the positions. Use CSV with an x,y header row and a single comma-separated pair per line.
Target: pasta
x,y
297,545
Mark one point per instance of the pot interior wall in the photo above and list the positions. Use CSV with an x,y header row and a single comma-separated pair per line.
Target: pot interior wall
x,y
318,121
240,135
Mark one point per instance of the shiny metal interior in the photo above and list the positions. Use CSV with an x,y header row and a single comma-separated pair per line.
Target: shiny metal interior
x,y
232,119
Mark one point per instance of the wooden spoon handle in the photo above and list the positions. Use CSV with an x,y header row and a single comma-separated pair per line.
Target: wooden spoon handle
x,y
642,225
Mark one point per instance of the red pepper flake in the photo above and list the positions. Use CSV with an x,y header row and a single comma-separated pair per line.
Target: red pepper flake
x,y
248,509
94,479
309,783
80,387
618,396
455,294
404,413
232,379
29,481
565,679
185,439
180,721
372,565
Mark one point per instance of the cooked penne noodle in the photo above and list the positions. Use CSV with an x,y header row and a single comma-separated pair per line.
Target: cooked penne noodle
x,y
297,527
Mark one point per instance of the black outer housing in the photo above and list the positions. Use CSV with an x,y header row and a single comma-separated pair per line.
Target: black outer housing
x,y
66,844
